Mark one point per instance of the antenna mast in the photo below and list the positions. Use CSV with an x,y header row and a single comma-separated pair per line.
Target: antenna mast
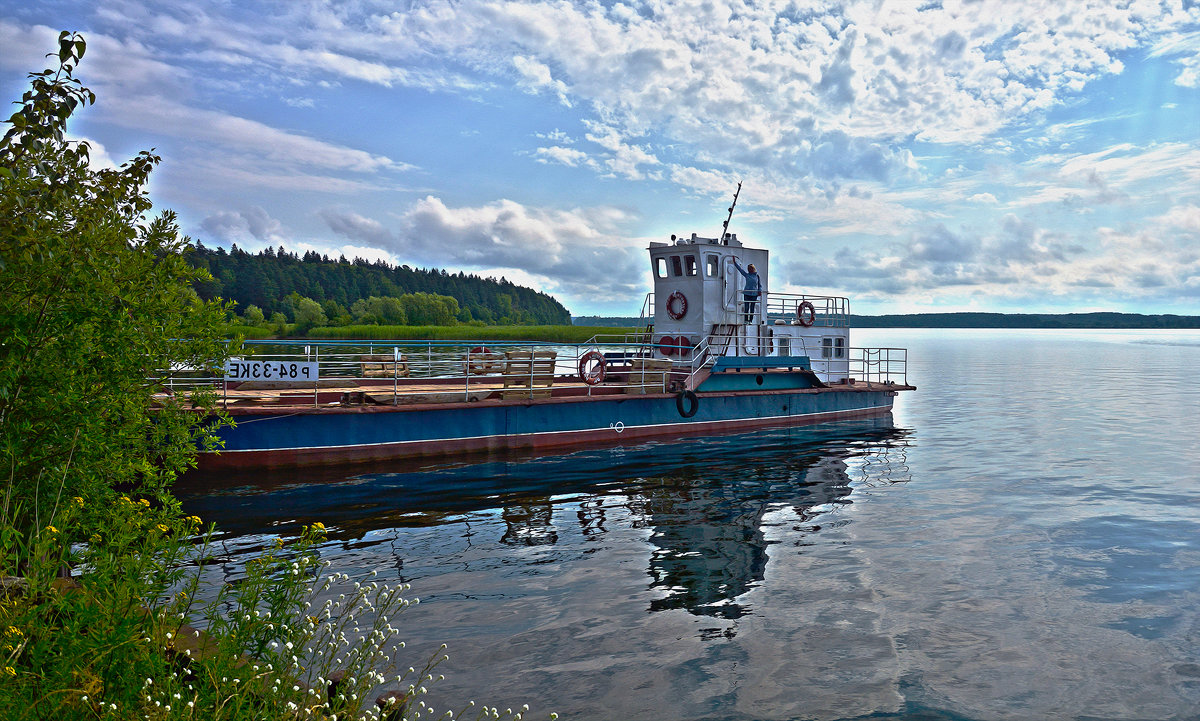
x,y
725,225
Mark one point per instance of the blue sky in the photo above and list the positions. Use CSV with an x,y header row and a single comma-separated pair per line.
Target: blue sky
x,y
1016,156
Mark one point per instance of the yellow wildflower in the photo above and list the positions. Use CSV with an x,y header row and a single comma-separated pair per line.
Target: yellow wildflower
x,y
10,671
78,500
318,526
162,529
51,529
14,631
144,503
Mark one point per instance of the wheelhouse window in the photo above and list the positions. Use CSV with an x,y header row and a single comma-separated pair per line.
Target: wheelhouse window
x,y
676,266
839,347
710,265
660,267
826,347
689,264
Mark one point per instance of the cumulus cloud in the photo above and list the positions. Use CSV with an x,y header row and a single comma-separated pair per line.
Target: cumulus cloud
x,y
1018,259
751,84
574,252
570,157
240,226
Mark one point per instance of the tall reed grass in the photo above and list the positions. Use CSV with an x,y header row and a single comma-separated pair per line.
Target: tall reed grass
x,y
550,333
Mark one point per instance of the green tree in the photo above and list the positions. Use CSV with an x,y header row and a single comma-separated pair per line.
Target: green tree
x,y
429,308
382,311
96,309
253,316
309,315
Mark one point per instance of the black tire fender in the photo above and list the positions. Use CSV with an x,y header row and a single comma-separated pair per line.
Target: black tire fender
x,y
687,403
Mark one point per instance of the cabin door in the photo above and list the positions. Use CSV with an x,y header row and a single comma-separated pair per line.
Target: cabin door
x,y
730,278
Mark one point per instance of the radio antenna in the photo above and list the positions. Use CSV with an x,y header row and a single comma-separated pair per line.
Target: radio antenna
x,y
725,225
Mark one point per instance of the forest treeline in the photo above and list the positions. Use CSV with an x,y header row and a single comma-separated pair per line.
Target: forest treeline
x,y
275,286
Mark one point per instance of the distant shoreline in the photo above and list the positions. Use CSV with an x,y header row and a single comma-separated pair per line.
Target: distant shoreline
x,y
1110,321
1099,320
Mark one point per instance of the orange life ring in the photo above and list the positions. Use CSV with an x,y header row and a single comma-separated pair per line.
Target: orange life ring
x,y
480,361
591,368
806,314
681,299
667,345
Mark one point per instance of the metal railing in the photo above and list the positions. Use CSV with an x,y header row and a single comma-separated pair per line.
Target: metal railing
x,y
880,365
828,311
406,371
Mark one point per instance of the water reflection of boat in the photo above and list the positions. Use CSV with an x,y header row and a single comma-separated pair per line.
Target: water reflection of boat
x,y
716,350
704,500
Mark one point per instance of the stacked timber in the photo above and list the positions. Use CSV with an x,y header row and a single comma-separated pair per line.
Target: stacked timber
x,y
382,365
528,374
648,375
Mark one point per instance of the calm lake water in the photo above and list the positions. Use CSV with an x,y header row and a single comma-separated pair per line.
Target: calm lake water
x,y
1019,540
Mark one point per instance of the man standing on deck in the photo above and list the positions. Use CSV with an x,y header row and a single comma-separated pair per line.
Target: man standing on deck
x,y
753,287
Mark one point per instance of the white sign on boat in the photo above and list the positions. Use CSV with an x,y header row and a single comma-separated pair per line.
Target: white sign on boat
x,y
263,370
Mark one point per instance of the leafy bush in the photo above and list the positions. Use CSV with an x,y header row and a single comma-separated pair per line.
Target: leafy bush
x,y
99,570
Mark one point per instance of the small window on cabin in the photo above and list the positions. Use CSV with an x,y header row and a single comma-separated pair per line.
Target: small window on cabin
x,y
689,264
785,345
826,347
839,347
660,267
710,265
676,266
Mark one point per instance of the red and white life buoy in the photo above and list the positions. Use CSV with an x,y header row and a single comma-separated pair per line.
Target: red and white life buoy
x,y
480,361
806,314
677,305
591,368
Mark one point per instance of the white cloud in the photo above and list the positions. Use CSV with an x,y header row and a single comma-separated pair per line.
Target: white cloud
x,y
758,85
572,252
1019,260
243,226
563,156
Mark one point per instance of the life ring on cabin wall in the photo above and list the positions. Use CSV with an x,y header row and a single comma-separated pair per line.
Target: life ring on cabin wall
x,y
592,368
667,345
481,361
806,314
677,305
683,345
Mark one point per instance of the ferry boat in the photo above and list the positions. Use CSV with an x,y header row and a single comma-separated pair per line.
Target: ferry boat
x,y
705,359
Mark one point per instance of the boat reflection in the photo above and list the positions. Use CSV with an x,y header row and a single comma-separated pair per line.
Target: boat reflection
x,y
702,500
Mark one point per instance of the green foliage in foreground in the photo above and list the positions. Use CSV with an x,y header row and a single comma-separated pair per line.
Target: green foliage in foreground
x,y
115,645
94,301
549,333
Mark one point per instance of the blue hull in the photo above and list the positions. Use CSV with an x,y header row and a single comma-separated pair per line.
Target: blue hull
x,y
331,435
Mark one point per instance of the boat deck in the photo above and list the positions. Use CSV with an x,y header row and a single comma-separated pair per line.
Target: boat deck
x,y
409,393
